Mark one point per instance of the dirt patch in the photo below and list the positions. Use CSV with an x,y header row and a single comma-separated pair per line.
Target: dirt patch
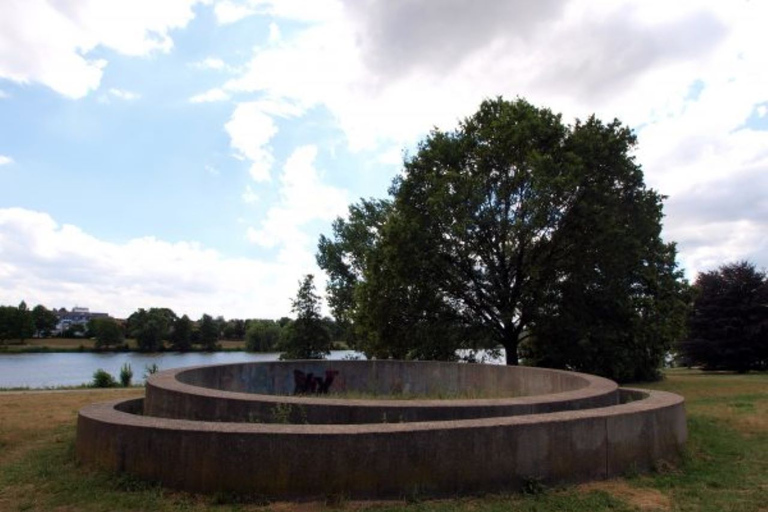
x,y
642,498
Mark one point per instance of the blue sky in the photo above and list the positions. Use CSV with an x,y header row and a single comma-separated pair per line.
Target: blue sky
x,y
188,154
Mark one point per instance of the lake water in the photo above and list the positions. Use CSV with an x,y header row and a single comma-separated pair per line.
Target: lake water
x,y
72,369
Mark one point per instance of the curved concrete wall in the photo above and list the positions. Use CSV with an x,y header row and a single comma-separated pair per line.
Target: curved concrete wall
x,y
257,392
383,459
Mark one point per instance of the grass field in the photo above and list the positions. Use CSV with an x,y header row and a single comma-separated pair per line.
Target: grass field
x,y
725,467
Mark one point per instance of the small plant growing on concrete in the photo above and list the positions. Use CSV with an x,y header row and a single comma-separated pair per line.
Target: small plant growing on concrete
x,y
288,413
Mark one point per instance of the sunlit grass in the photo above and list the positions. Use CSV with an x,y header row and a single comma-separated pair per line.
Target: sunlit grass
x,y
725,467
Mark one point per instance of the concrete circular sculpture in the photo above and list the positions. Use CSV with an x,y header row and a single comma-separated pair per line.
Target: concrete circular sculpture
x,y
223,428
266,392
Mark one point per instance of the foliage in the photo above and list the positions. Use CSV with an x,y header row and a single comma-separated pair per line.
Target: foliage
x,y
16,323
306,337
44,320
8,323
262,336
103,379
150,369
26,323
234,329
209,332
490,233
728,325
75,331
617,302
107,331
151,327
126,375
181,336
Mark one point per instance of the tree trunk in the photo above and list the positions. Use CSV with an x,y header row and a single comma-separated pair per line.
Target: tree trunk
x,y
509,343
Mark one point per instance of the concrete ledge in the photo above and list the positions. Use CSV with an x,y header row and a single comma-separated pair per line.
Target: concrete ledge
x,y
384,459
257,392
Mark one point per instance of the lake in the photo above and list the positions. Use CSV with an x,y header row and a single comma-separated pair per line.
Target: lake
x,y
72,369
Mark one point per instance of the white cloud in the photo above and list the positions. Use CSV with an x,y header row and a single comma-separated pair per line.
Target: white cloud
x,y
57,265
230,12
124,95
48,42
5,160
388,71
212,170
210,96
303,198
4,95
250,131
214,63
274,33
249,196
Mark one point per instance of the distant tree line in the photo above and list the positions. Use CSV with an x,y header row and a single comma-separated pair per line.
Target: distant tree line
x,y
19,323
157,329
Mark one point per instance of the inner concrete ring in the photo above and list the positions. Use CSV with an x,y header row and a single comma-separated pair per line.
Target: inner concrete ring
x,y
261,392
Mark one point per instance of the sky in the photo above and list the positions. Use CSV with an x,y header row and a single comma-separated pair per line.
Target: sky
x,y
188,154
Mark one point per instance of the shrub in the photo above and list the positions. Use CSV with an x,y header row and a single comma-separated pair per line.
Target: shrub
x,y
102,379
126,374
150,369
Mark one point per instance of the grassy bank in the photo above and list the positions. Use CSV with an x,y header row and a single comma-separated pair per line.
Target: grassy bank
x,y
725,468
37,345
87,345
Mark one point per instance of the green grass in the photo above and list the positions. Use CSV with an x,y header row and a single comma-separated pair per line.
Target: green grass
x,y
725,467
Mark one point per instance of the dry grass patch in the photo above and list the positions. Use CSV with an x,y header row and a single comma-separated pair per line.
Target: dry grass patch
x,y
645,499
31,418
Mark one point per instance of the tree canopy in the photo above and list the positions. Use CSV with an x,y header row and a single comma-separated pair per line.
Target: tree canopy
x,y
306,337
107,331
495,231
16,323
151,327
728,325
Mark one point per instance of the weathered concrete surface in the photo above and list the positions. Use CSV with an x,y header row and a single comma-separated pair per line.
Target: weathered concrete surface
x,y
250,392
383,459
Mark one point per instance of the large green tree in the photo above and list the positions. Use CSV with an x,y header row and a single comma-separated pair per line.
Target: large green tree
x,y
489,227
728,325
8,328
25,322
151,327
306,337
44,319
262,336
209,332
181,336
107,331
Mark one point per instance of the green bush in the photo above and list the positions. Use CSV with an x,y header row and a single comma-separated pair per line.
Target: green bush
x,y
126,374
102,379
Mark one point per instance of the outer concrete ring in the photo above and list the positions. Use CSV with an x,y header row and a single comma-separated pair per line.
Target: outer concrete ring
x,y
384,459
169,397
